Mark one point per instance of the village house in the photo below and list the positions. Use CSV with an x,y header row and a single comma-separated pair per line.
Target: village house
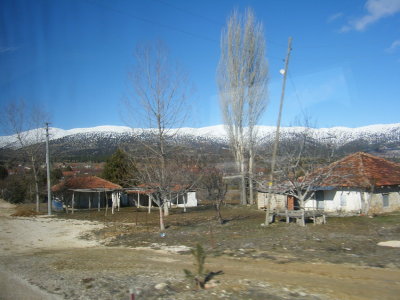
x,y
358,183
144,195
87,192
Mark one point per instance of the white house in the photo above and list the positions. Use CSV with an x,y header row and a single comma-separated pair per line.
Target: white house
x,y
358,183
187,198
144,195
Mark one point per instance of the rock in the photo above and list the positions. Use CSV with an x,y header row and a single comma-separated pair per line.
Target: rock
x,y
391,266
87,280
211,284
161,286
394,244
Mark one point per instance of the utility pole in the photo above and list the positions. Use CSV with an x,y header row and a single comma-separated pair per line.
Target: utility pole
x,y
48,171
278,125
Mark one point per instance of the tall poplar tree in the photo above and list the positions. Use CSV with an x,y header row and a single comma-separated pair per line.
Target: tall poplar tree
x,y
242,78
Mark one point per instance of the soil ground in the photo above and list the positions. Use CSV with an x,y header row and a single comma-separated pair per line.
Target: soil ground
x,y
116,253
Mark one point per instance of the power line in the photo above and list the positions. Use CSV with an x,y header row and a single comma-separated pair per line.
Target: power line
x,y
152,22
93,2
208,19
190,13
296,93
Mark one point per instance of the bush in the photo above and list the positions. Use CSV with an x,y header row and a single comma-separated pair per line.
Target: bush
x,y
200,277
14,190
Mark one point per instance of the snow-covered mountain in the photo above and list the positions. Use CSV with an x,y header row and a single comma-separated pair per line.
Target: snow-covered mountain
x,y
95,138
340,135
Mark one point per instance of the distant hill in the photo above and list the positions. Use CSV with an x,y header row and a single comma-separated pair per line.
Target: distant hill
x,y
97,143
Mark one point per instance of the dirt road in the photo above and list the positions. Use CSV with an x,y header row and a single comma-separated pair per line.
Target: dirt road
x,y
48,254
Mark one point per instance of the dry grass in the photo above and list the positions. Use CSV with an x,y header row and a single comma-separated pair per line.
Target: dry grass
x,y
23,211
341,240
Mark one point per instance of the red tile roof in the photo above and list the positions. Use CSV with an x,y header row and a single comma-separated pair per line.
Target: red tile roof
x,y
70,173
361,170
85,182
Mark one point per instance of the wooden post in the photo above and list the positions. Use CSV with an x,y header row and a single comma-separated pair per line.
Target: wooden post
x,y
98,202
184,196
118,194
138,199
276,142
90,201
314,216
131,294
287,217
73,202
65,205
112,203
105,194
150,203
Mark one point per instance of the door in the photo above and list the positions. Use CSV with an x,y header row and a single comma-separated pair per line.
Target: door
x,y
319,196
292,203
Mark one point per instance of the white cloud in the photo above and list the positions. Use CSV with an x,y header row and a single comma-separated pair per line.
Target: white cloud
x,y
377,9
335,17
345,28
7,49
395,45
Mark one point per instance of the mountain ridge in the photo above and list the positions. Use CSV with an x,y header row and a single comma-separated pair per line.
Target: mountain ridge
x,y
97,143
215,131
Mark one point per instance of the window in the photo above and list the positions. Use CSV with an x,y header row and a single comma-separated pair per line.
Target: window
x,y
319,195
385,200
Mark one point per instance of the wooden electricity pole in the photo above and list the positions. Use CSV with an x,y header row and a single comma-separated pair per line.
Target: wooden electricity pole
x,y
48,171
278,125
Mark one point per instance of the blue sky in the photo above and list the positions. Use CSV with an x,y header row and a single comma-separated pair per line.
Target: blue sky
x,y
72,57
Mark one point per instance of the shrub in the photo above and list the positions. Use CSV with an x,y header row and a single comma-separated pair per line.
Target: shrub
x,y
200,277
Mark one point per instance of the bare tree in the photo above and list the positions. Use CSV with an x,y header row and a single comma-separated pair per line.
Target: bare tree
x,y
297,166
212,180
160,90
25,123
242,78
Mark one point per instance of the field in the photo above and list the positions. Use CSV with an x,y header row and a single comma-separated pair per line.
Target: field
x,y
342,240
338,260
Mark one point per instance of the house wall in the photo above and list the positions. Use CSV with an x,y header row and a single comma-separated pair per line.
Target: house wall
x,y
278,201
191,200
337,201
310,204
132,199
381,201
81,200
380,205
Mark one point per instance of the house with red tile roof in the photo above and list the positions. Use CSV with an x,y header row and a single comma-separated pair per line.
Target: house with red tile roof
x,y
87,192
359,182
